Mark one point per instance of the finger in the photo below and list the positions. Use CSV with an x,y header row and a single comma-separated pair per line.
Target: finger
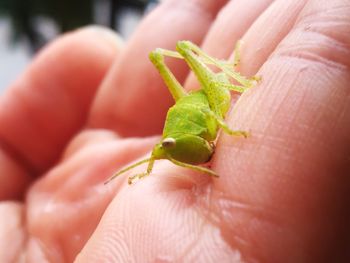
x,y
286,187
133,99
48,104
259,43
11,232
65,206
229,26
160,218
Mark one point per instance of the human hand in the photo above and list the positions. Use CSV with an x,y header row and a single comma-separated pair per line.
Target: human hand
x,y
88,106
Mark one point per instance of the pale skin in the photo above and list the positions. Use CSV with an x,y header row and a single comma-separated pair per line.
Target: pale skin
x,y
86,107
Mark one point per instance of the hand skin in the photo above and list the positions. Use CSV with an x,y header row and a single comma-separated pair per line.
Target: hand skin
x,y
89,105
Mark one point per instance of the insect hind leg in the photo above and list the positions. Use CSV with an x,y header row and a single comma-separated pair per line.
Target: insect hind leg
x,y
225,66
157,58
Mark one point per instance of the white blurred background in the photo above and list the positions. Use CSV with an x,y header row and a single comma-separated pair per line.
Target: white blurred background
x,y
19,42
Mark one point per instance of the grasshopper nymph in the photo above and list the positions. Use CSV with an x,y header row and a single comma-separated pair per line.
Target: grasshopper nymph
x,y
192,124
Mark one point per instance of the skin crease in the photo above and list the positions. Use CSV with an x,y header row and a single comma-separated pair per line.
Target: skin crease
x,y
282,195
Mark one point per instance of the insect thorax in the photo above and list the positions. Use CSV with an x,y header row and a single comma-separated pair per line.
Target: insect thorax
x,y
189,116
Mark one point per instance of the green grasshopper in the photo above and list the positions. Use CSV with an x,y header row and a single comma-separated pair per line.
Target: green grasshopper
x,y
192,124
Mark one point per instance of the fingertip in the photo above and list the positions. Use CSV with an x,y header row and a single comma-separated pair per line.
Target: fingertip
x,y
107,34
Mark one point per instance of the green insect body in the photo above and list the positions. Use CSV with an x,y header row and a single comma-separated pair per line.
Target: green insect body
x,y
189,131
193,122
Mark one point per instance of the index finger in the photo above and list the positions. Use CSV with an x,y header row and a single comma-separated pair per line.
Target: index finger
x,y
48,104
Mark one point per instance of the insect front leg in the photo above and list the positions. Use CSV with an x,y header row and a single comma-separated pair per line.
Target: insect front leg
x,y
157,58
194,167
150,162
135,177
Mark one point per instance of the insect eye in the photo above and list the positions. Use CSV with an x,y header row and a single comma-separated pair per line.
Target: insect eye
x,y
168,142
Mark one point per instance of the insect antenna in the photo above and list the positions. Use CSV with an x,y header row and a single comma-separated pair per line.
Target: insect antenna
x,y
127,169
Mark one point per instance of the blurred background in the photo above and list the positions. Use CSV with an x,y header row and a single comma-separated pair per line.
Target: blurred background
x,y
27,25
